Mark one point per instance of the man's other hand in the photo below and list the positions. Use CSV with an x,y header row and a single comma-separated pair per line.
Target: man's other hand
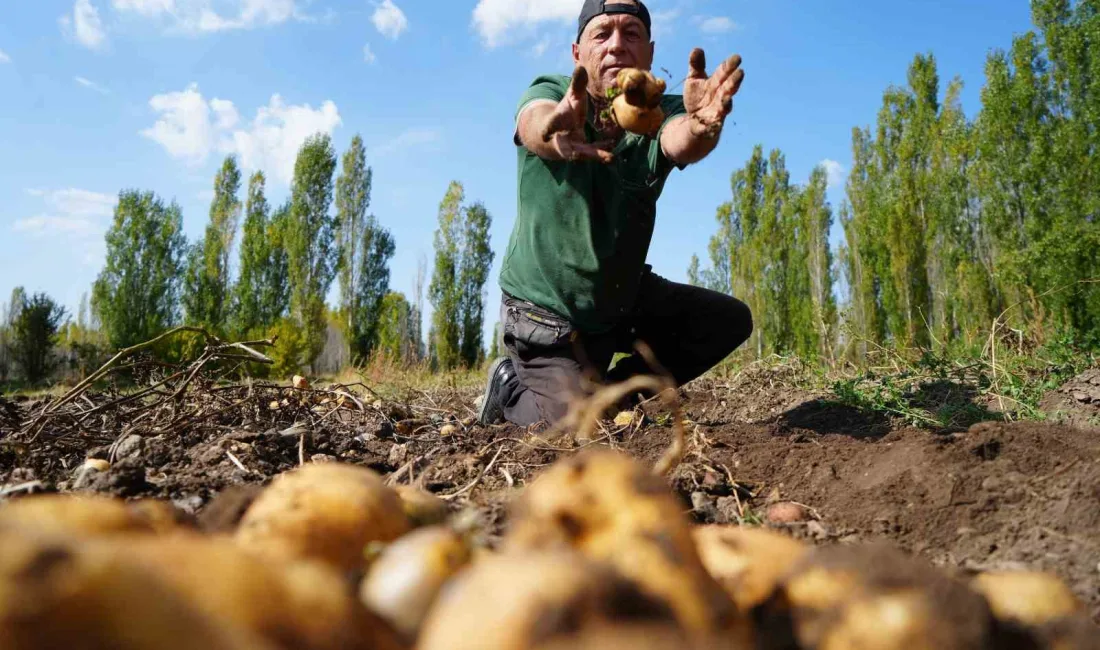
x,y
556,131
708,100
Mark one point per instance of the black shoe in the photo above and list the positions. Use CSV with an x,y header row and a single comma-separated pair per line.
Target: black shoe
x,y
491,410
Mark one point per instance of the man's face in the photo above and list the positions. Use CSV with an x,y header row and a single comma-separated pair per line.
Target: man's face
x,y
610,43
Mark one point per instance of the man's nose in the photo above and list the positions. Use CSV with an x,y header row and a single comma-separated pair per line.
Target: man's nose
x,y
616,42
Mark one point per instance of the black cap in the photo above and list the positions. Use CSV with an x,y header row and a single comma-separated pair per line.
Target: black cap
x,y
593,8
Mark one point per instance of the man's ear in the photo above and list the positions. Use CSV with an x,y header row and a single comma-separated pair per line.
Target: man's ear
x,y
576,55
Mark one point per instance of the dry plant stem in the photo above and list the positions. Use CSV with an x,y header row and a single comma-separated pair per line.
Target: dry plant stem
x,y
477,479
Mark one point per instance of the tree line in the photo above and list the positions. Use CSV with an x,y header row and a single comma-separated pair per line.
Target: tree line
x,y
289,256
949,224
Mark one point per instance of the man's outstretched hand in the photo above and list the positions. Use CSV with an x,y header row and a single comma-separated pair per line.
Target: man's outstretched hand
x,y
708,100
564,127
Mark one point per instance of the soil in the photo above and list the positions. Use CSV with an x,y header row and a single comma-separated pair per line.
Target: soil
x,y
996,495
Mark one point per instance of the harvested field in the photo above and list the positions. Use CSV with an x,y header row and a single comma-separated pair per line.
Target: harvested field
x,y
759,450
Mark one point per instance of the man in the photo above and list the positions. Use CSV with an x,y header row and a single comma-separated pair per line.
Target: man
x,y
576,285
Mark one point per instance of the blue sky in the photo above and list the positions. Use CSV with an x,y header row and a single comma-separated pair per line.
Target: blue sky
x,y
103,95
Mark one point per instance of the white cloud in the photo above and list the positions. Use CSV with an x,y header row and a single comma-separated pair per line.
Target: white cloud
x,y
272,140
145,7
407,139
87,83
716,24
191,128
389,20
79,216
84,24
202,16
494,19
834,171
540,48
184,128
368,54
4,58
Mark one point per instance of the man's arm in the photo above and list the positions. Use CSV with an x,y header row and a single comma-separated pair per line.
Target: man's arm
x,y
708,101
555,130
682,146
533,120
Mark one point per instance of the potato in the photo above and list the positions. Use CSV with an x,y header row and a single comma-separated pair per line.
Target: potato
x,y
1030,597
786,513
86,514
902,620
815,596
637,105
56,593
613,508
422,508
327,512
404,580
640,87
294,605
640,636
748,562
517,601
636,119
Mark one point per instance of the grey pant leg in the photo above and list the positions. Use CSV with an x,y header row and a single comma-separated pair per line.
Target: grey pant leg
x,y
554,364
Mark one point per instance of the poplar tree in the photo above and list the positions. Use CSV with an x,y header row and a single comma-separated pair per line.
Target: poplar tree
x,y
309,237
136,295
365,249
207,294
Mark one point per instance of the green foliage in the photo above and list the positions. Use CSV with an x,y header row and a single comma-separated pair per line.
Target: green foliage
x,y
951,389
395,329
495,348
462,261
35,334
291,349
255,259
206,293
309,238
444,291
951,226
772,251
477,258
364,251
136,295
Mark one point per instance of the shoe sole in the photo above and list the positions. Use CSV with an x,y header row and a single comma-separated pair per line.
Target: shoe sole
x,y
486,397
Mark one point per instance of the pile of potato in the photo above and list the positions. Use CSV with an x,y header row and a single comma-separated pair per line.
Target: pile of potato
x,y
598,553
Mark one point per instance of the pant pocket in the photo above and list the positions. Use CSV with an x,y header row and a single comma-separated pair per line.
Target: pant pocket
x,y
536,328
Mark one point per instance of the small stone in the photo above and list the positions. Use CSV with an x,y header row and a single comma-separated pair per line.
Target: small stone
x,y
398,455
299,382
1084,398
447,430
728,510
992,484
131,445
322,458
711,480
274,405
703,504
22,475
817,530
189,505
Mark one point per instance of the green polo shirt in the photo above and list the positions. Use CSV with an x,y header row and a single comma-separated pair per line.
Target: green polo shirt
x,y
583,229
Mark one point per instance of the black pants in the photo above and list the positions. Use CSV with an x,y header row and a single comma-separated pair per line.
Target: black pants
x,y
689,329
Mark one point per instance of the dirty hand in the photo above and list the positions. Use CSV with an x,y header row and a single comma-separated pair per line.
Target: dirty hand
x,y
564,128
708,100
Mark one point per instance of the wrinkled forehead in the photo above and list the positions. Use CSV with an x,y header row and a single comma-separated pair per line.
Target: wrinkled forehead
x,y
620,21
